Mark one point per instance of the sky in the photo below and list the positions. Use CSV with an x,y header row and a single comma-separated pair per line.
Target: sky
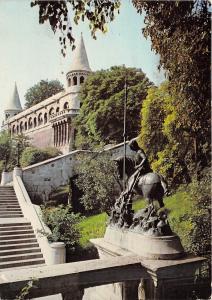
x,y
30,52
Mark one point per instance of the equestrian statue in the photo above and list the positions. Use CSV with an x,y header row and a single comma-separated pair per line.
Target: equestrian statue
x,y
143,181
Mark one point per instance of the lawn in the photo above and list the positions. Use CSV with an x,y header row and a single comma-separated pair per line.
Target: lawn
x,y
178,204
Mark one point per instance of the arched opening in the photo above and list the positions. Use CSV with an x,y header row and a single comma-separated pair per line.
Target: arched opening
x,y
25,126
30,123
35,122
45,118
75,80
13,129
40,119
82,79
57,110
65,105
69,82
51,111
17,129
21,127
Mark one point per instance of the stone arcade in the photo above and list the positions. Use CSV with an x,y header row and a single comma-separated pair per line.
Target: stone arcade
x,y
49,123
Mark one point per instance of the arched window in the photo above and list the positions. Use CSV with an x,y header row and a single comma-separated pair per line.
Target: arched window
x,y
45,118
25,125
57,110
40,119
69,82
35,122
65,105
17,129
21,127
51,111
75,80
30,123
13,129
82,79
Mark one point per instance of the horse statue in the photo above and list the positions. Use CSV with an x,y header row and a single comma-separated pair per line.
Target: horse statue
x,y
143,181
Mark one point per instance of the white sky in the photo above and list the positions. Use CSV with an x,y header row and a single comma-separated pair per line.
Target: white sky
x,y
30,52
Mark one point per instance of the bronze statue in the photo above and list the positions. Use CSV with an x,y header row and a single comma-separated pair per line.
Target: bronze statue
x,y
142,181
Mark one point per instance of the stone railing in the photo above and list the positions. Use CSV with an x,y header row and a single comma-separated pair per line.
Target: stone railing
x,y
66,112
53,253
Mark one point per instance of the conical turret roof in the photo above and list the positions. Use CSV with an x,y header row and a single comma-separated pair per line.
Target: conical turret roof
x,y
14,102
80,59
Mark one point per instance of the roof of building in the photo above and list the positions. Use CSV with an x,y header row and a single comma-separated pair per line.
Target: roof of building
x,y
14,102
80,59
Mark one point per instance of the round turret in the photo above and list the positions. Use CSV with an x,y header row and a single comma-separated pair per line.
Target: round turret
x,y
13,105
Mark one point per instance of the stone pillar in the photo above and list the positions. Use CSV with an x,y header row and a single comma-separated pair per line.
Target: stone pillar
x,y
5,178
65,132
130,290
58,253
59,127
17,171
75,293
62,133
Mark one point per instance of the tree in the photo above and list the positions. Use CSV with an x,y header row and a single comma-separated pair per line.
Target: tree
x,y
97,13
32,155
180,34
41,91
101,115
11,148
168,146
98,180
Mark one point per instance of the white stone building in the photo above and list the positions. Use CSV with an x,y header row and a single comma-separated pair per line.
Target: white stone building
x,y
50,122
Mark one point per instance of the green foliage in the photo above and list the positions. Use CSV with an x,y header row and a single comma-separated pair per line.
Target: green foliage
x,y
56,13
11,148
163,136
32,155
41,91
63,224
98,179
26,289
180,34
101,115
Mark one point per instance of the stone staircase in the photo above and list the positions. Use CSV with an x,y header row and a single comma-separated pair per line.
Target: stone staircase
x,y
18,243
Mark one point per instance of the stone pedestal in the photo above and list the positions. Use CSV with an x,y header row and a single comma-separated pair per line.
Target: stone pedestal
x,y
58,253
170,272
5,178
17,171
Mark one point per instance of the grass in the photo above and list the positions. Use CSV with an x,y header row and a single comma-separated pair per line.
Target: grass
x,y
178,204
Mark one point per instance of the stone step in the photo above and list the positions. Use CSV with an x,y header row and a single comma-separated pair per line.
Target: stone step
x,y
11,202
5,210
18,241
16,232
7,205
19,246
15,224
19,251
2,196
18,257
17,237
15,228
12,216
22,263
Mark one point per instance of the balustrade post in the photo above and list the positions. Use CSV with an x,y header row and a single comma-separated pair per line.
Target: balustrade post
x,y
130,290
75,293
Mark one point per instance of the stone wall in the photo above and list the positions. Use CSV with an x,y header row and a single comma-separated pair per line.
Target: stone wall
x,y
42,178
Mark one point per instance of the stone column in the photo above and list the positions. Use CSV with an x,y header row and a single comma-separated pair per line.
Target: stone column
x,y
59,134
62,133
130,290
75,293
56,135
65,132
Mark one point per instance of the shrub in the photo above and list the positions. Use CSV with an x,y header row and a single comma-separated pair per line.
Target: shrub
x,y
32,155
64,225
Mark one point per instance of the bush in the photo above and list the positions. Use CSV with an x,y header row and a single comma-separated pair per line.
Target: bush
x,y
32,155
63,224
